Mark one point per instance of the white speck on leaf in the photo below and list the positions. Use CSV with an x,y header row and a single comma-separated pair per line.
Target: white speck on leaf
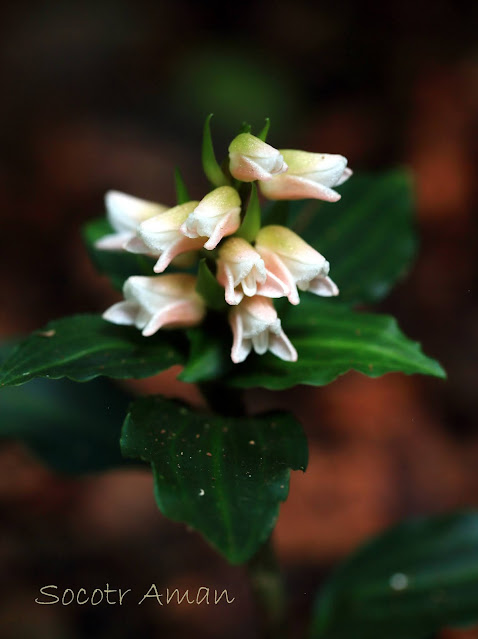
x,y
398,581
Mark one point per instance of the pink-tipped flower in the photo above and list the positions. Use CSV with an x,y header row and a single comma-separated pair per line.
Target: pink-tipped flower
x,y
255,325
215,216
151,303
310,175
125,213
160,236
252,159
241,270
294,262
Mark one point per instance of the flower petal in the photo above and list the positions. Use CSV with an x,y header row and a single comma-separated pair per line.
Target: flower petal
x,y
240,347
276,267
113,241
294,187
322,286
123,313
281,346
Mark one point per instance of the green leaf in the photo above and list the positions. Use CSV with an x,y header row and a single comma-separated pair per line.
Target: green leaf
x,y
263,134
210,165
117,265
408,583
225,477
182,195
277,213
330,340
252,220
209,288
368,236
245,128
73,428
209,357
83,347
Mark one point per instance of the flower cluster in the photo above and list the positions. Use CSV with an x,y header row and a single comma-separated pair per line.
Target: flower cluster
x,y
277,263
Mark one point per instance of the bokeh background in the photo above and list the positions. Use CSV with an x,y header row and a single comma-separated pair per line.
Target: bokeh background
x,y
112,94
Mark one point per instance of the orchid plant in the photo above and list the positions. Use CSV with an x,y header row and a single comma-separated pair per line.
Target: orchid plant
x,y
233,288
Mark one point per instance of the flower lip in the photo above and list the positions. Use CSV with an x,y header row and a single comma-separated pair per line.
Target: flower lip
x,y
305,163
294,262
242,272
125,213
160,236
255,325
252,159
151,303
217,215
310,175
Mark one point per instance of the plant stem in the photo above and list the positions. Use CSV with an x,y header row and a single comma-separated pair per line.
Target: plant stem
x,y
268,592
222,400
265,578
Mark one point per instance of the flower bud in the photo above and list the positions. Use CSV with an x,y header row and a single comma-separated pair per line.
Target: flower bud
x,y
310,175
252,159
125,213
294,262
215,216
160,236
255,324
241,270
151,303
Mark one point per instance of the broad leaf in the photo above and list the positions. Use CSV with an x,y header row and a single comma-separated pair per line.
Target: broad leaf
x,y
117,265
368,236
73,428
330,340
225,477
85,346
407,584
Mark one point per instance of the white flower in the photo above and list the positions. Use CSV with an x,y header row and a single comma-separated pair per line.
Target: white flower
x,y
252,159
255,325
294,262
151,303
310,175
215,216
125,213
241,270
160,236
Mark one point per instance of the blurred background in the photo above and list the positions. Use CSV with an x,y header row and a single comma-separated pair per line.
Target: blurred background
x,y
112,94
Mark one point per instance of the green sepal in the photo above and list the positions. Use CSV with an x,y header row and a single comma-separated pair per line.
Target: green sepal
x,y
245,128
252,219
182,195
210,165
209,288
210,347
265,130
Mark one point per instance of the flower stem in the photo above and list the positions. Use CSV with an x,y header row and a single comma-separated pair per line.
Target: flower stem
x,y
265,578
268,592
222,400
